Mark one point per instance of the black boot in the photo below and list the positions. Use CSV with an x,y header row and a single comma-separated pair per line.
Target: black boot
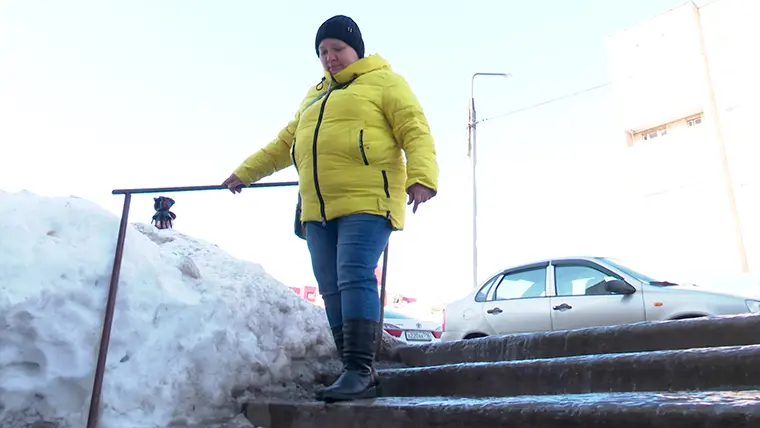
x,y
358,380
337,333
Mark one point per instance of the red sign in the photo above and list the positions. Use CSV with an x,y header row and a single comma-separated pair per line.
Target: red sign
x,y
310,293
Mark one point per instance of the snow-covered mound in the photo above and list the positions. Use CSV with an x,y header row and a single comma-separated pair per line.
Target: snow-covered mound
x,y
194,327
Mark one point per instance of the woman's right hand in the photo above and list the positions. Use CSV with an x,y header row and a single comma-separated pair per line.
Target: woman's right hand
x,y
234,184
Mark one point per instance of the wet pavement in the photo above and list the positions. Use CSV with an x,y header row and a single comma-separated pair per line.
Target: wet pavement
x,y
683,370
619,410
627,376
640,337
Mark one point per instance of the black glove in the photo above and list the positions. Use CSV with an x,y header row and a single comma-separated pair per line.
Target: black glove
x,y
163,217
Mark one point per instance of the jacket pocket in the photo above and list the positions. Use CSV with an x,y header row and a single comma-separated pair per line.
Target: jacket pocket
x,y
386,185
386,189
361,147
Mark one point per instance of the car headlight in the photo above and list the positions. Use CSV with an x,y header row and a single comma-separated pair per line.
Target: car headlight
x,y
753,306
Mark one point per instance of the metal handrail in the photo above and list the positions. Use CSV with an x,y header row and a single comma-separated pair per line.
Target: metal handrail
x,y
105,338
198,188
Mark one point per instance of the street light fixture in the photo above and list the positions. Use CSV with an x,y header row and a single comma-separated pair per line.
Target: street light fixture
x,y
472,153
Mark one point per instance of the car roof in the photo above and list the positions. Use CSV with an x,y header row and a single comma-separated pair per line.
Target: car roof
x,y
536,262
541,261
551,259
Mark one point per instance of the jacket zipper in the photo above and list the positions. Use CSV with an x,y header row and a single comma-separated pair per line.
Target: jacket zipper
x,y
314,157
295,165
293,153
330,90
386,187
361,147
299,208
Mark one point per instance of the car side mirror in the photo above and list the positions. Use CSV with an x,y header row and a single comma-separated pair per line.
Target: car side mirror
x,y
618,286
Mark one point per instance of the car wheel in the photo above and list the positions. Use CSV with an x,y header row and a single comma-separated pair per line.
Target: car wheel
x,y
688,317
475,336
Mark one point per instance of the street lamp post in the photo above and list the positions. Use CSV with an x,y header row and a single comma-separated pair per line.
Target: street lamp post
x,y
472,153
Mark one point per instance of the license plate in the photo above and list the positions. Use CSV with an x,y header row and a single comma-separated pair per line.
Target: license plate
x,y
421,336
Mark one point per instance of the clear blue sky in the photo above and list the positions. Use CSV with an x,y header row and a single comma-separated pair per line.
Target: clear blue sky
x,y
99,95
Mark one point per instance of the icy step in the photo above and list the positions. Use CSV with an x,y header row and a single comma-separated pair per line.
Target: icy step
x,y
619,410
647,336
681,370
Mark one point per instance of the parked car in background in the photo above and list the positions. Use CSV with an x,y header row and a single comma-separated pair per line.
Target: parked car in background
x,y
576,292
410,329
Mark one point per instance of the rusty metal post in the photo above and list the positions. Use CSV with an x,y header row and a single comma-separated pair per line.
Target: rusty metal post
x,y
105,338
383,278
97,386
92,419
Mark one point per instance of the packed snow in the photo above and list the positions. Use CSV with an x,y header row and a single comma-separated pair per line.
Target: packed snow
x,y
194,328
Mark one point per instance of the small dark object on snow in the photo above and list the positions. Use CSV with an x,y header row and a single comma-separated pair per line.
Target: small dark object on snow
x,y
163,217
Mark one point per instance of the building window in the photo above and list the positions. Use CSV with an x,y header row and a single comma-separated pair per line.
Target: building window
x,y
653,133
694,121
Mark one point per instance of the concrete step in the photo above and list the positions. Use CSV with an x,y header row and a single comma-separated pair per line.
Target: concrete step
x,y
681,370
647,336
624,410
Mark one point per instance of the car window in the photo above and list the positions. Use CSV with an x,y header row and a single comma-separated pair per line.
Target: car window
x,y
581,281
396,315
524,284
628,271
483,293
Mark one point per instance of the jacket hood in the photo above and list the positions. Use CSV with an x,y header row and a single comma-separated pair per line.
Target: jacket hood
x,y
357,68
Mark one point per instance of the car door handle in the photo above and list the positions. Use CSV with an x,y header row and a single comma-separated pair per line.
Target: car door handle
x,y
494,311
562,307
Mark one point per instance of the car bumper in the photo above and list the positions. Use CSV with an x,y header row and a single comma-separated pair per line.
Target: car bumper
x,y
449,336
404,338
416,342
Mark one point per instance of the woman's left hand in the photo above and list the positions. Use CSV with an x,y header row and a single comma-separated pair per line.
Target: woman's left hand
x,y
419,194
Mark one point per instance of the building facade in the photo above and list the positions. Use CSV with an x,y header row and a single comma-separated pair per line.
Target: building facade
x,y
687,91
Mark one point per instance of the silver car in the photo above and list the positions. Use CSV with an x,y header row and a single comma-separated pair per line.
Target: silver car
x,y
576,292
409,329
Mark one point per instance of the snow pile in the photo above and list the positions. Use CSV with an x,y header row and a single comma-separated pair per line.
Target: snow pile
x,y
194,327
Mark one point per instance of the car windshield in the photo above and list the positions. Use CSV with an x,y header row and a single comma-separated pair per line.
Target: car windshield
x,y
628,271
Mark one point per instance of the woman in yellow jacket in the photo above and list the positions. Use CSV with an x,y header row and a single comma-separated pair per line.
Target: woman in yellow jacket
x,y
347,142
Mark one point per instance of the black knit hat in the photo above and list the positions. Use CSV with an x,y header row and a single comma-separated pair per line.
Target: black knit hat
x,y
344,29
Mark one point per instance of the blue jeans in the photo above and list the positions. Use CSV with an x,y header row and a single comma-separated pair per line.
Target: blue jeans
x,y
344,256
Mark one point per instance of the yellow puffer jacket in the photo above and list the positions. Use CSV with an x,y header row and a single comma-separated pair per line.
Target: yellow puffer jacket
x,y
349,145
